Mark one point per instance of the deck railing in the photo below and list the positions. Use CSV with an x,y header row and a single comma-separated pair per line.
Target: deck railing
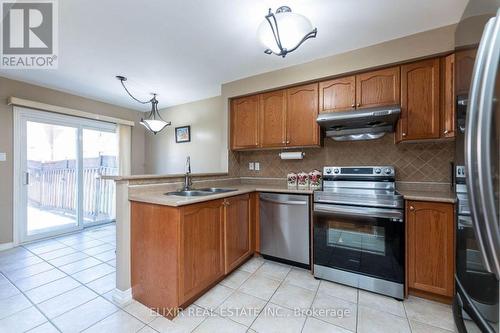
x,y
53,186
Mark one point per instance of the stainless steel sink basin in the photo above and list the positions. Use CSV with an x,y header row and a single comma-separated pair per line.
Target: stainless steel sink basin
x,y
193,193
217,190
201,192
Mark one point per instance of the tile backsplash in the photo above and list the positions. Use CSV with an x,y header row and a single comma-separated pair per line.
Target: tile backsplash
x,y
414,162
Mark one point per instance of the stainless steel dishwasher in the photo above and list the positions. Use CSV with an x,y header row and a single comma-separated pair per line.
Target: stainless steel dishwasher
x,y
284,227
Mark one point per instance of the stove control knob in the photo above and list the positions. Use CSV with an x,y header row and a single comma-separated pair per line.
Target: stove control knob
x,y
387,171
336,171
378,171
328,171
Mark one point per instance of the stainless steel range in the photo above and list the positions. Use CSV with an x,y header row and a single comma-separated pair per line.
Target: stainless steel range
x,y
359,229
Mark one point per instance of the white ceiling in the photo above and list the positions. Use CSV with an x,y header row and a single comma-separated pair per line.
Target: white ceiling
x,y
184,50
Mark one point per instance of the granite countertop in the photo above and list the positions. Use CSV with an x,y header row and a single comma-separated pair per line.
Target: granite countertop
x,y
158,196
437,196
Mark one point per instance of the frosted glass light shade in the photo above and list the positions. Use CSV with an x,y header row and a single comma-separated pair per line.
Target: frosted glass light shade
x,y
154,125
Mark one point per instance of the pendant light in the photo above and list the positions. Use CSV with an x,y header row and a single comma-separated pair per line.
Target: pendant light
x,y
153,122
284,31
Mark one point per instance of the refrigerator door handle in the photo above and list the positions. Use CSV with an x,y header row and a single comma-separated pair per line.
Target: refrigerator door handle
x,y
491,237
471,134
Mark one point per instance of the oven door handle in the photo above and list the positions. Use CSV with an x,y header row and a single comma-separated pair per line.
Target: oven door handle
x,y
360,211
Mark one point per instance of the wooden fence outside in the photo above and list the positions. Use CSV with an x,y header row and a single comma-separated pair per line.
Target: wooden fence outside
x,y
53,186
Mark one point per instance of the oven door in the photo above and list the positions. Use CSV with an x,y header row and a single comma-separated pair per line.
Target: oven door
x,y
362,240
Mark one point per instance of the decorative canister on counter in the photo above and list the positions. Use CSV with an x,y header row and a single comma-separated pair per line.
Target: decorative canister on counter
x,y
303,180
291,179
315,179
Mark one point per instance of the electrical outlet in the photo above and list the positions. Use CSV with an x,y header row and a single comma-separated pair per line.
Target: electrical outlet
x,y
250,166
3,157
257,166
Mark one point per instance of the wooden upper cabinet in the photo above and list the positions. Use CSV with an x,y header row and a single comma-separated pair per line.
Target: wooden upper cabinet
x,y
464,64
378,88
301,114
245,122
448,111
337,94
237,231
201,248
420,108
273,119
430,247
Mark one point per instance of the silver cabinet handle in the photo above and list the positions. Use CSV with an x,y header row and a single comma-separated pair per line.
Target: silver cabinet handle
x,y
485,180
471,145
359,211
288,202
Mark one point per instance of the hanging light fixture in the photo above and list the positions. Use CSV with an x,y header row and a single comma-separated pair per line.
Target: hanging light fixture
x,y
284,31
153,122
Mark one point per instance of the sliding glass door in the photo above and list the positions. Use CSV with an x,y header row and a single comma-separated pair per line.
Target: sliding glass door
x,y
59,163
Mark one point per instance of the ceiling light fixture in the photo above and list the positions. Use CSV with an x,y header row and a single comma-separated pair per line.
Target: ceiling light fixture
x,y
284,31
153,121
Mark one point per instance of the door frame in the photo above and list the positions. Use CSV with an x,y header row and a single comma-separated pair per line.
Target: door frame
x,y
21,116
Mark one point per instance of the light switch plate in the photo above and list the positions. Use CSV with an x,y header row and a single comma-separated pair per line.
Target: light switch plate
x,y
3,157
257,166
250,166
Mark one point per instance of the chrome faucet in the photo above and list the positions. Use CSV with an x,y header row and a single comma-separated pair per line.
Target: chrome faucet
x,y
187,175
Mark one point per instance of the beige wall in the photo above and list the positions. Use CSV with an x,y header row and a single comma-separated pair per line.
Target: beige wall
x,y
36,93
207,148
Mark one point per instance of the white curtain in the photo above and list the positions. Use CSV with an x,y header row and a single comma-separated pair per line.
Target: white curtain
x,y
124,149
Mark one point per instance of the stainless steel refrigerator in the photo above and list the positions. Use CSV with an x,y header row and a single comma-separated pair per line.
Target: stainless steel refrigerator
x,y
476,306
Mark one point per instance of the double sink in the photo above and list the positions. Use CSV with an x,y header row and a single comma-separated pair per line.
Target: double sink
x,y
201,192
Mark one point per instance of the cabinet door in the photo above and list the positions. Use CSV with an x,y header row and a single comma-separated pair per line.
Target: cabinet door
x,y
337,95
448,97
378,88
201,248
430,247
301,114
245,122
237,245
420,100
273,119
464,64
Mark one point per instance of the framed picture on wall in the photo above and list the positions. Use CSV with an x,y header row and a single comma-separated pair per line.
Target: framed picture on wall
x,y
183,134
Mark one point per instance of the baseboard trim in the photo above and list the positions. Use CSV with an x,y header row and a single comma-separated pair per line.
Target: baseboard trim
x,y
122,297
6,246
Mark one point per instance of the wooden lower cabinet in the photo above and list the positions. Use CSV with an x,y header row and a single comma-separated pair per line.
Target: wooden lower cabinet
x,y
430,264
177,253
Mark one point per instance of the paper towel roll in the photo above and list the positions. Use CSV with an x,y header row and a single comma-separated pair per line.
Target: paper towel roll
x,y
292,155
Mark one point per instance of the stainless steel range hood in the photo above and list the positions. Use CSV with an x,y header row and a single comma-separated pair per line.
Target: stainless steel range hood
x,y
361,124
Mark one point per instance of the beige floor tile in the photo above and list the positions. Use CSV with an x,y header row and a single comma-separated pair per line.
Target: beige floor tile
x,y
14,304
118,322
191,317
85,244
68,259
417,327
277,319
382,303
252,265
376,321
66,302
85,315
432,313
293,297
93,273
274,270
22,321
7,290
302,278
260,286
235,279
147,329
80,265
214,297
111,262
163,325
106,256
39,279
52,289
31,270
338,290
20,263
335,310
99,249
314,325
44,328
216,324
241,308
40,248
103,284
57,253
140,311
